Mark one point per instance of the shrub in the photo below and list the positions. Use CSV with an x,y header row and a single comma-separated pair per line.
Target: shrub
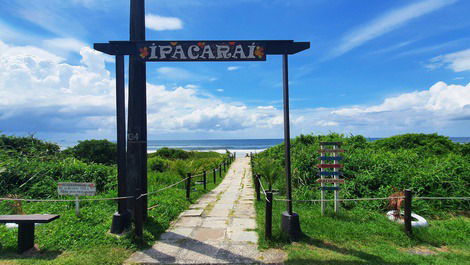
x,y
171,153
96,151
38,179
28,146
426,144
157,164
430,165
269,169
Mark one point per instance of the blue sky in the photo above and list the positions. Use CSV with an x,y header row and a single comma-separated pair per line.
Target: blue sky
x,y
376,68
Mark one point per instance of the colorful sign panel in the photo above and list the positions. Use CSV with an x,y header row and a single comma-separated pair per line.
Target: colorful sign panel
x,y
329,188
168,51
330,180
76,189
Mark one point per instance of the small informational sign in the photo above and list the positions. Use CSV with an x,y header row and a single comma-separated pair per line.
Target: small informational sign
x,y
178,51
330,180
76,189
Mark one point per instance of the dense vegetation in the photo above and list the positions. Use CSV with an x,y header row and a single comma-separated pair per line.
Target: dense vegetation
x,y
429,164
30,168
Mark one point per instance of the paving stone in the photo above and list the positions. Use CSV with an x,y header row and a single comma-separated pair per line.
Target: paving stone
x,y
209,234
218,229
189,221
193,212
215,222
245,223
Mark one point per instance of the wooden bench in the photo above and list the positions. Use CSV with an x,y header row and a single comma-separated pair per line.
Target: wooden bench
x,y
26,227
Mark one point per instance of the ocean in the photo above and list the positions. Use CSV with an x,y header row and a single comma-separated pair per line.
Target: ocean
x,y
241,146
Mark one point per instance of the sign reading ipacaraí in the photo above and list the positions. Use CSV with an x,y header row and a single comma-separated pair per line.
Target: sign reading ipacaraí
x,y
202,51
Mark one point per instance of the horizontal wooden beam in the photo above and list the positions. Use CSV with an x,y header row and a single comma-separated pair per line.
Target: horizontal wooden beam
x,y
331,143
330,173
331,151
329,181
330,158
330,166
273,47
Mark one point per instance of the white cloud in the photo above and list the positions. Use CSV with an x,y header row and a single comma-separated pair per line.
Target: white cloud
x,y
159,23
233,68
220,90
457,61
388,22
42,93
266,107
65,44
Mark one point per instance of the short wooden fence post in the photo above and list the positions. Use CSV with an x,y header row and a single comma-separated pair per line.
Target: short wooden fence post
x,y
269,215
257,188
408,198
215,176
205,179
220,171
188,187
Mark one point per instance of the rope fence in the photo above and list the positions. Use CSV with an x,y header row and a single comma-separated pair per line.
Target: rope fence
x,y
114,198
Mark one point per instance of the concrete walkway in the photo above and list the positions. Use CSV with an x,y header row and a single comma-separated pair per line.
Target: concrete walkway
x,y
218,229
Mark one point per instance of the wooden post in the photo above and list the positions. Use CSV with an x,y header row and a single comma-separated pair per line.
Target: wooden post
x,y
220,171
25,236
188,187
215,176
257,188
137,117
336,192
205,180
408,198
121,133
268,227
138,215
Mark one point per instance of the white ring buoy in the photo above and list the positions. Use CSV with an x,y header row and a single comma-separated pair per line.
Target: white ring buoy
x,y
420,221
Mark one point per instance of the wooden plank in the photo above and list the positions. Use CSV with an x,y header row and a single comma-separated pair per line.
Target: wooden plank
x,y
330,158
330,151
179,51
274,47
330,166
331,143
329,181
330,173
329,188
30,218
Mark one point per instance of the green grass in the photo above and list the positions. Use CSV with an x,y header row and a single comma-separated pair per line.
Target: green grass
x,y
86,239
360,236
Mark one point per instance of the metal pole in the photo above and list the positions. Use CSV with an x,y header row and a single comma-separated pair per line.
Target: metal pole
x,y
77,206
137,116
290,221
285,80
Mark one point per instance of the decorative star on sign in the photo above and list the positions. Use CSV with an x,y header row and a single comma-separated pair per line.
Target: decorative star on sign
x,y
144,52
